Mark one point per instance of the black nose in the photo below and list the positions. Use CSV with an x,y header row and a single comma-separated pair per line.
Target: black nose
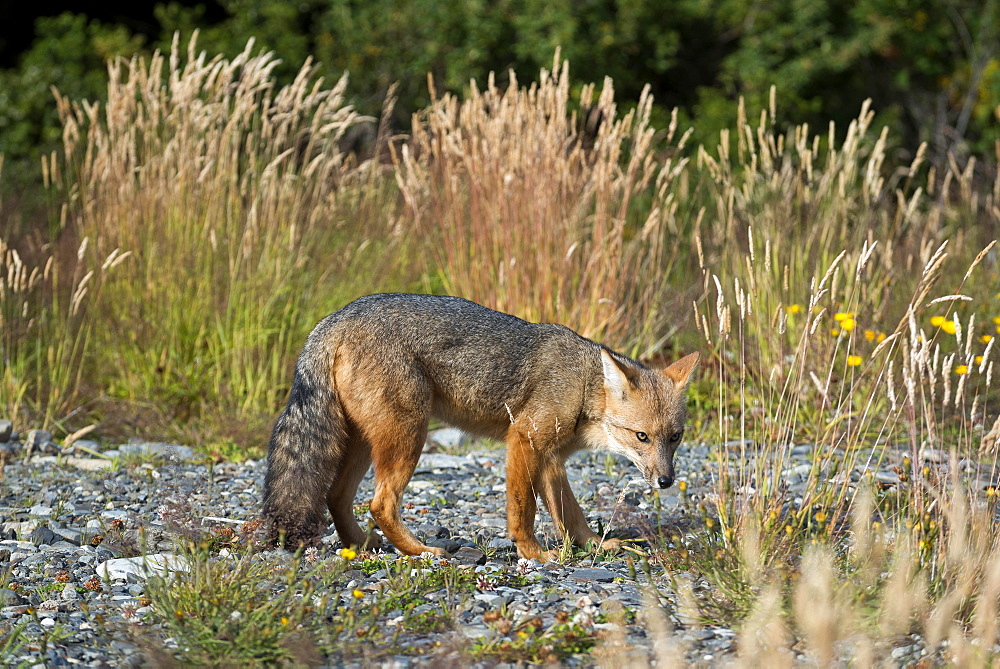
x,y
664,481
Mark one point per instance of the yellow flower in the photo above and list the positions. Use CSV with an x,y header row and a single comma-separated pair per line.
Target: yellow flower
x,y
285,621
949,327
348,553
682,486
998,329
794,308
842,316
834,332
358,594
870,335
848,324
986,339
853,360
962,369
979,359
820,517
938,321
789,529
880,338
996,319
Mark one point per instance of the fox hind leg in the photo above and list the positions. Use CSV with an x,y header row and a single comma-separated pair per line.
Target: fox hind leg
x,y
340,497
396,447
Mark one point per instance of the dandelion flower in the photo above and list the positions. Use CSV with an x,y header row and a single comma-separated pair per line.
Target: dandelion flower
x,y
848,324
962,369
820,517
949,327
853,360
979,359
880,338
938,321
794,308
986,339
870,335
357,594
842,316
996,319
348,553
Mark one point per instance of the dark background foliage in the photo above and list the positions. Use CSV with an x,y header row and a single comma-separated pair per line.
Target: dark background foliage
x,y
932,67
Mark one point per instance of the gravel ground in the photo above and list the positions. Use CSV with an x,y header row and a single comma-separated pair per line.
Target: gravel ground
x,y
67,520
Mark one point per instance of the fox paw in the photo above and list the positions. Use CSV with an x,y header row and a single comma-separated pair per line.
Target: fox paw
x,y
611,545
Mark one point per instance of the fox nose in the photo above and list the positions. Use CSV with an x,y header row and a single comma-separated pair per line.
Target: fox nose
x,y
665,481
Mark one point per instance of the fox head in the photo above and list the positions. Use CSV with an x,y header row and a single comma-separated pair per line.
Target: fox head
x,y
645,411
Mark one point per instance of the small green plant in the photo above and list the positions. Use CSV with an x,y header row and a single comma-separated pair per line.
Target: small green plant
x,y
243,610
530,641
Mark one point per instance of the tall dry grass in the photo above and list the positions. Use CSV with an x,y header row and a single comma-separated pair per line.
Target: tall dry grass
x,y
245,223
47,329
848,314
552,210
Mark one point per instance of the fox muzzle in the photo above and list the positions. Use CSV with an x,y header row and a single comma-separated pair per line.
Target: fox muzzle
x,y
665,481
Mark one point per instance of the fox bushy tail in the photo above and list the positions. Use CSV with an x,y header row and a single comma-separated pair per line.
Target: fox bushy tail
x,y
306,447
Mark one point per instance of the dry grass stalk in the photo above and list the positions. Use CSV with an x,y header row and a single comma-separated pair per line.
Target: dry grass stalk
x,y
531,210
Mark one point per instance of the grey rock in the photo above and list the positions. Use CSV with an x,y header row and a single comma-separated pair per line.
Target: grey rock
x,y
139,567
6,430
593,574
157,448
500,544
934,455
43,535
474,632
467,555
891,478
431,461
69,593
40,510
36,440
449,545
901,652
69,535
449,437
10,598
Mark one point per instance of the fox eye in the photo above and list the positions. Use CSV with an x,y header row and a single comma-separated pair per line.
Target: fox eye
x,y
676,436
642,436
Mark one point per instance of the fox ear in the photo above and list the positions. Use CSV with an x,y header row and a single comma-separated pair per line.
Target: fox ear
x,y
680,371
615,381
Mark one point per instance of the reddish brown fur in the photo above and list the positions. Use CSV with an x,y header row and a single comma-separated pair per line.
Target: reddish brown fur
x,y
372,375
